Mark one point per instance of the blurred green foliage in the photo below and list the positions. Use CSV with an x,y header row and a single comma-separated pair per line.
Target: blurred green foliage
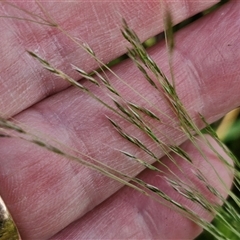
x,y
232,141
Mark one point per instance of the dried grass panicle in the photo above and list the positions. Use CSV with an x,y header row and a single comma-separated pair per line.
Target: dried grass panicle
x,y
137,115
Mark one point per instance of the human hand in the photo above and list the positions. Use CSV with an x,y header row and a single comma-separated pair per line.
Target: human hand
x,y
50,196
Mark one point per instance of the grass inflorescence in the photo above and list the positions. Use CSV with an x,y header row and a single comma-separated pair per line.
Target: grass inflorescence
x,y
144,119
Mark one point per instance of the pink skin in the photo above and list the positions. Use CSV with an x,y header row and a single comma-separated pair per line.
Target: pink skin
x,y
47,193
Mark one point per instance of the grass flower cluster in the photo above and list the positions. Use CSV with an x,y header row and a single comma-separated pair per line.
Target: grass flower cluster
x,y
144,118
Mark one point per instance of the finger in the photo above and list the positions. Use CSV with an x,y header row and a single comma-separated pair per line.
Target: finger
x,y
80,123
22,81
131,215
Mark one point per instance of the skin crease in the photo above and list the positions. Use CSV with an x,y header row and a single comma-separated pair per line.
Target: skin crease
x,y
97,24
46,193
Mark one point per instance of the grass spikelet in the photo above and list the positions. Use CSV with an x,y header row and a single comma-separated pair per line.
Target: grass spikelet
x,y
144,110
